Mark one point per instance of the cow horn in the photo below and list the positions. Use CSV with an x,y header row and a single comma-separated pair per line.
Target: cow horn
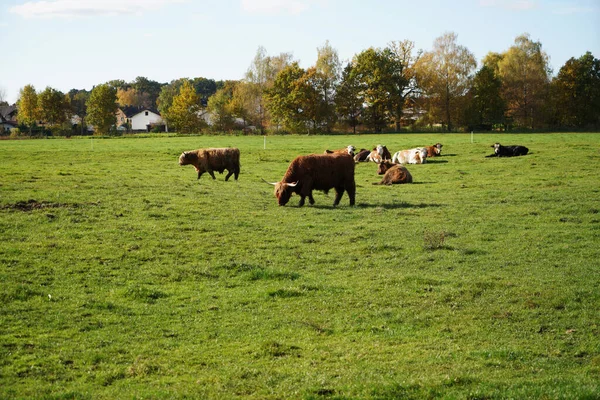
x,y
292,184
270,183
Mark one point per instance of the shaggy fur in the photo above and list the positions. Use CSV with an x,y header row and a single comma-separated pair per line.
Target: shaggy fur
x,y
317,172
209,160
394,173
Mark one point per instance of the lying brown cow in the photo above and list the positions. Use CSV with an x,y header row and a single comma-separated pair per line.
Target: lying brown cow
x,y
317,172
434,150
209,160
346,150
394,173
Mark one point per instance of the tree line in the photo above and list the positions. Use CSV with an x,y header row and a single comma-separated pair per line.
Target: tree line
x,y
394,88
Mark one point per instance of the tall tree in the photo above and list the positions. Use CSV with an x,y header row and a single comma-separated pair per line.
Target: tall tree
x,y
131,97
374,69
242,102
165,99
525,81
101,108
29,111
261,74
150,88
184,112
221,109
486,106
54,107
78,106
282,99
403,80
328,71
348,100
576,92
445,75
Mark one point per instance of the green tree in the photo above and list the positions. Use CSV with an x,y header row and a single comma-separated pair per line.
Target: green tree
x,y
148,90
445,75
348,99
184,112
283,101
242,102
54,107
525,81
101,108
373,69
576,92
79,107
27,104
486,107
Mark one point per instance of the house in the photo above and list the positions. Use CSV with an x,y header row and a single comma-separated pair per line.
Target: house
x,y
138,118
8,118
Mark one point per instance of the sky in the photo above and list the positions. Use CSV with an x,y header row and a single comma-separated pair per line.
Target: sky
x,y
66,44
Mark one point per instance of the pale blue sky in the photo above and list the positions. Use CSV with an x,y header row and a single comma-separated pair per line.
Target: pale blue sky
x,y
69,44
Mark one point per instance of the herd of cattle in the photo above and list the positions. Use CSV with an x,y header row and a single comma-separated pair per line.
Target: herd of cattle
x,y
332,170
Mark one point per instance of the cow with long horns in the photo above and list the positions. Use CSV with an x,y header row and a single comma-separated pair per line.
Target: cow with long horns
x,y
317,172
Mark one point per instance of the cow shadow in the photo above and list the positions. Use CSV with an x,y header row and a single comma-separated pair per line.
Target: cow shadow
x,y
396,206
433,161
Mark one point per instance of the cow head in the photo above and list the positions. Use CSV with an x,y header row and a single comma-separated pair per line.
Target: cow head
x,y
496,147
283,191
383,167
351,150
438,148
184,158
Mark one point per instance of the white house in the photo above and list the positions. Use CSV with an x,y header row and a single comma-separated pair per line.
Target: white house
x,y
143,120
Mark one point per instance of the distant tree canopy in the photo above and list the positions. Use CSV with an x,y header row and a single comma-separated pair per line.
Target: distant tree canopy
x,y
391,88
102,108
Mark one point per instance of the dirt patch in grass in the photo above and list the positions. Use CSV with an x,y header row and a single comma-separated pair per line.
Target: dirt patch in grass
x,y
32,204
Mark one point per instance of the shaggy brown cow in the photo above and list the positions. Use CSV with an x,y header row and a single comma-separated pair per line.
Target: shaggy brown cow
x,y
394,174
346,150
317,172
209,160
434,150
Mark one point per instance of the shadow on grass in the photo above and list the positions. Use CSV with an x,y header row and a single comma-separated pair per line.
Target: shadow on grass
x,y
384,206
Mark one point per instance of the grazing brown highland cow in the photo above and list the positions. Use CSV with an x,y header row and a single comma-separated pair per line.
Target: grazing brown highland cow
x,y
317,172
209,160
394,174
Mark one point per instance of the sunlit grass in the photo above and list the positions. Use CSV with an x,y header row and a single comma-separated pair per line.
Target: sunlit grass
x,y
124,276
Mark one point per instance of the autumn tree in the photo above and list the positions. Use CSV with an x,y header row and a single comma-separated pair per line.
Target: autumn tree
x,y
184,111
282,99
261,75
576,92
403,83
445,74
525,76
328,71
27,104
131,97
78,106
221,109
148,90
101,108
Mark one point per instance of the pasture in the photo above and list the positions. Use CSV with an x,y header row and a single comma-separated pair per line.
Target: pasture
x,y
123,276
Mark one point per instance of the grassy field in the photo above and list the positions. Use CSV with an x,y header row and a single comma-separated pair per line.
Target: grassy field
x,y
125,277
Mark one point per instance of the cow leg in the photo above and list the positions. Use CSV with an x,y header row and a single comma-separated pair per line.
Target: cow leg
x,y
311,200
200,174
236,172
351,189
210,171
301,203
229,173
339,192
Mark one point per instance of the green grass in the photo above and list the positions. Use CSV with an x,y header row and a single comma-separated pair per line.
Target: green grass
x,y
125,277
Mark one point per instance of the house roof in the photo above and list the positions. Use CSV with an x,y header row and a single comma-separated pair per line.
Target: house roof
x,y
8,113
130,111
